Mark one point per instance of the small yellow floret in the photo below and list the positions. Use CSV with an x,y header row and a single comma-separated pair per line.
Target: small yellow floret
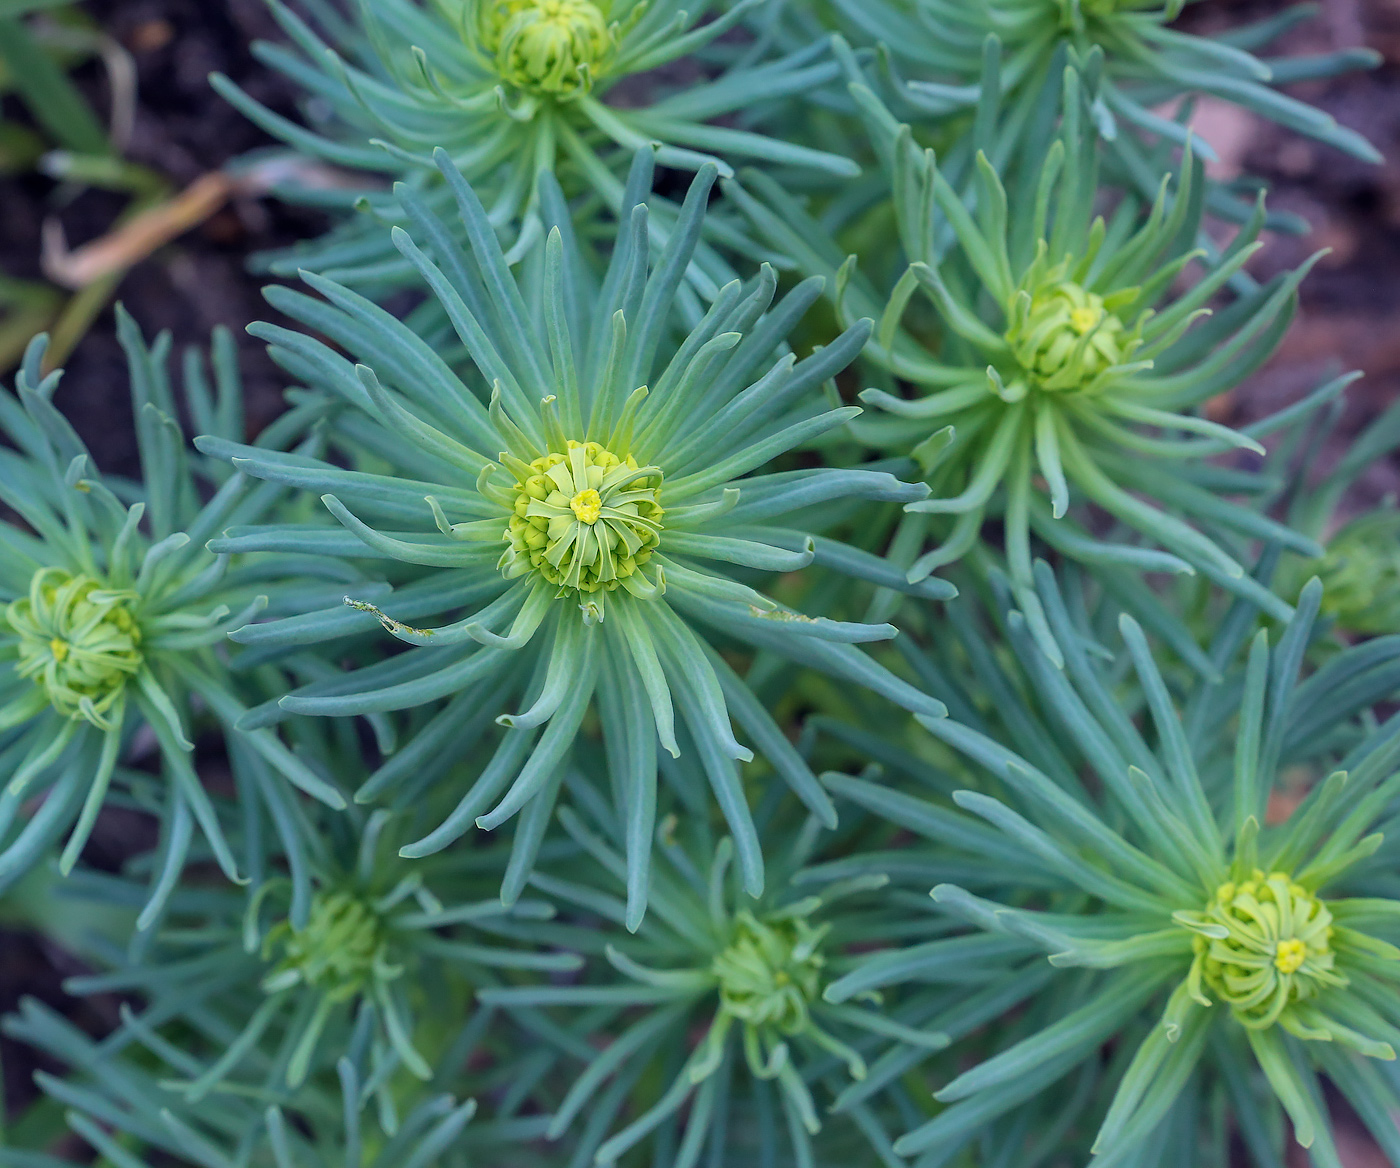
x,y
1083,319
59,649
1290,955
584,518
587,506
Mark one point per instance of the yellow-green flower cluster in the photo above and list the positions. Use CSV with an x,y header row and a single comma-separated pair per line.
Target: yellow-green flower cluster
x,y
1065,337
1360,575
771,972
549,47
340,951
1261,945
586,519
78,641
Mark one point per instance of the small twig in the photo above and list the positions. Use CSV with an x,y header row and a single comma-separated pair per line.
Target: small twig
x,y
136,239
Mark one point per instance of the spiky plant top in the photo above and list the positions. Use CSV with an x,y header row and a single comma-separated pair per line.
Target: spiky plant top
x,y
1260,939
118,1101
1065,369
950,56
111,609
728,993
512,89
355,951
1360,568
586,522
1360,573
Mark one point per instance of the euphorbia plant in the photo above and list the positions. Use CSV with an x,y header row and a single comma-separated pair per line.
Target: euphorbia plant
x,y
116,613
512,90
615,528
1065,365
1218,938
593,512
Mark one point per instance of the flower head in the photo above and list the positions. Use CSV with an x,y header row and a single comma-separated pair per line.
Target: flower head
x,y
553,47
1360,573
771,973
584,519
340,949
1066,338
113,606
1262,945
78,642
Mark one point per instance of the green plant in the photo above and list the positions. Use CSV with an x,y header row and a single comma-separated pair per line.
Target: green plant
x,y
1060,365
1207,938
513,90
571,525
114,610
611,502
745,976
943,57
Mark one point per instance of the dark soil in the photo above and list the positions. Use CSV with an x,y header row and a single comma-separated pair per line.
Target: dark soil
x,y
183,130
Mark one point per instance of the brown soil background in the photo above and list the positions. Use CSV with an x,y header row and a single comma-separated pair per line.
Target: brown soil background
x,y
1350,315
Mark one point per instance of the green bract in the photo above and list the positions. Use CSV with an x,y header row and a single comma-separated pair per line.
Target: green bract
x,y
114,611
575,496
1261,939
512,90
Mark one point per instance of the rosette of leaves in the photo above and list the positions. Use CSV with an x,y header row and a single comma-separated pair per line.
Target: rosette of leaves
x,y
113,608
590,521
512,89
121,1106
943,57
1202,940
727,1032
279,988
1063,366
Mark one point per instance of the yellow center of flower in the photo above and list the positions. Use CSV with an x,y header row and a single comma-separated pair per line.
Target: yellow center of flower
x,y
552,47
585,519
771,972
587,506
1290,955
1261,945
1064,337
1081,320
78,641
